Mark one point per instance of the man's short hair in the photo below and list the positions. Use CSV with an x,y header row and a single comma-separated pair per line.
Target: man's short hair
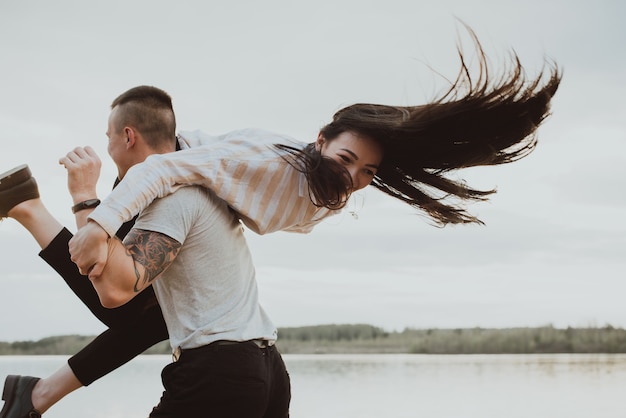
x,y
149,110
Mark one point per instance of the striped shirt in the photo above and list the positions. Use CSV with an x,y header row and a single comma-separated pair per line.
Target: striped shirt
x,y
242,167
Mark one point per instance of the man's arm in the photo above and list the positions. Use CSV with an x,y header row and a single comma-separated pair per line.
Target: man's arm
x,y
133,265
158,176
83,170
88,249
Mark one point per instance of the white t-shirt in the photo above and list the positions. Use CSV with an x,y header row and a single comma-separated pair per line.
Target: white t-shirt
x,y
209,292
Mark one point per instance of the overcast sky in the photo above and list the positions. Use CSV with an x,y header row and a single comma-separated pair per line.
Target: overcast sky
x,y
553,250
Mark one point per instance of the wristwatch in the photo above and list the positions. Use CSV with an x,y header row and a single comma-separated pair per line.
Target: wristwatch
x,y
87,204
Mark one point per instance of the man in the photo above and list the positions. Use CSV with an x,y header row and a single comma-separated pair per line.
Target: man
x,y
191,248
227,364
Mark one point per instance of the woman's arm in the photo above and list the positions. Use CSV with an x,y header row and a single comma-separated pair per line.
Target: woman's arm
x,y
158,176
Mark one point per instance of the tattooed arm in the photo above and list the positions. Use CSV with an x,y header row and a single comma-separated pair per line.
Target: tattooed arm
x,y
133,265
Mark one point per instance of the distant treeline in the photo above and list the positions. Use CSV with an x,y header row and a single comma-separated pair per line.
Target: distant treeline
x,y
355,339
369,339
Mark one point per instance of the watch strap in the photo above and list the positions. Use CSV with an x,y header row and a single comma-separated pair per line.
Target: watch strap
x,y
87,204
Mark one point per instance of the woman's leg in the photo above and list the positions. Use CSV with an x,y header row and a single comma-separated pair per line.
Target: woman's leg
x,y
134,327
53,388
110,350
57,255
116,346
34,216
53,238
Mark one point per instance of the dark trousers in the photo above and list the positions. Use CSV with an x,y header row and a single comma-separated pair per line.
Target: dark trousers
x,y
133,327
226,381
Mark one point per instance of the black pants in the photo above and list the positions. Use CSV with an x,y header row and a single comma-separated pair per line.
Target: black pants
x,y
133,327
226,381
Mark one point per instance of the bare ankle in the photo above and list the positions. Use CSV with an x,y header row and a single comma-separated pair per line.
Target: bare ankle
x,y
25,210
40,396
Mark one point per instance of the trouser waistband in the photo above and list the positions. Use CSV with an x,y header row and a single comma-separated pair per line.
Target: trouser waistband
x,y
261,343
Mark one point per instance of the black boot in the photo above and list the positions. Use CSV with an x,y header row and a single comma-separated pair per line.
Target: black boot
x,y
17,396
16,186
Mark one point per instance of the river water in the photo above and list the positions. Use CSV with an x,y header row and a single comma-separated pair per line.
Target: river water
x,y
390,386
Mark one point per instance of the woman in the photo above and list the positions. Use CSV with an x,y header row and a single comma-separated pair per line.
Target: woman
x,y
405,152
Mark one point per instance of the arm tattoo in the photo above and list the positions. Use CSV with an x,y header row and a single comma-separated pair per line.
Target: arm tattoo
x,y
153,250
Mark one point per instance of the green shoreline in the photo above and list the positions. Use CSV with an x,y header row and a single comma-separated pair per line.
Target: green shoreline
x,y
368,339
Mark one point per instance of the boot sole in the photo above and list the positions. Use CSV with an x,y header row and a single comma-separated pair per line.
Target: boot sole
x,y
26,190
14,176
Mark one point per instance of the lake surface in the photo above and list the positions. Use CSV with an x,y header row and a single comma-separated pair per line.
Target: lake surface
x,y
390,386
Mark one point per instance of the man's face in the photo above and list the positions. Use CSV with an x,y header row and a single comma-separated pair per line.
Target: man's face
x,y
118,143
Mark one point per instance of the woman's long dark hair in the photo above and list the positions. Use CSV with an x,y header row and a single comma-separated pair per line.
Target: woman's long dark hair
x,y
477,122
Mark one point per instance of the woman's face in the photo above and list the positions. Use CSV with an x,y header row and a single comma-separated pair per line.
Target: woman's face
x,y
360,156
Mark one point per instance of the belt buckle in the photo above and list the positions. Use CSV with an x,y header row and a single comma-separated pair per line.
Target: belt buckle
x,y
176,354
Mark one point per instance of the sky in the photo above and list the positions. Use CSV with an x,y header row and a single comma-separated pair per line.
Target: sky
x,y
553,247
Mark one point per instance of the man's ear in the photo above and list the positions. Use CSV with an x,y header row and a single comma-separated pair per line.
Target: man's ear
x,y
130,137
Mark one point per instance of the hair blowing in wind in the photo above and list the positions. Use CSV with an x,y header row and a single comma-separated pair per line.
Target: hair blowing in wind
x,y
483,119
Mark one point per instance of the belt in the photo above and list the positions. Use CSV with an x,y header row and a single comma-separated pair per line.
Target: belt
x,y
261,343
